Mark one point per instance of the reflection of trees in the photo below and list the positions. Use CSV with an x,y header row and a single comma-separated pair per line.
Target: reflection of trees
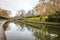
x,y
29,28
42,34
21,26
5,25
57,38
47,33
54,30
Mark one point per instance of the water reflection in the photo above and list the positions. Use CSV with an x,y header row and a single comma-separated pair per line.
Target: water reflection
x,y
17,32
6,25
20,31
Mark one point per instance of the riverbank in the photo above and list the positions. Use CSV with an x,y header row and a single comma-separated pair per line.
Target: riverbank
x,y
2,33
37,21
48,23
39,24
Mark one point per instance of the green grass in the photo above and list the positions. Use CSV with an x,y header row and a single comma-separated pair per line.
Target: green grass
x,y
32,19
37,18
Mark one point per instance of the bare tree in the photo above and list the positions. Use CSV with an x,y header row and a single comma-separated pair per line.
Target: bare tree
x,y
21,13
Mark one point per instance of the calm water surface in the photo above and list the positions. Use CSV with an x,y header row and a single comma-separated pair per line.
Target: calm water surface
x,y
19,31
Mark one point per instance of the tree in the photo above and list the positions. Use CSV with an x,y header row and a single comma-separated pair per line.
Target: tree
x,y
30,13
20,14
4,13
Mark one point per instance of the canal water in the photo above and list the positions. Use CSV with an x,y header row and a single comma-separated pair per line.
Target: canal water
x,y
20,31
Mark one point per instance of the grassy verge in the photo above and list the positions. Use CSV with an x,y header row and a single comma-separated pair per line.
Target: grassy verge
x,y
32,19
27,21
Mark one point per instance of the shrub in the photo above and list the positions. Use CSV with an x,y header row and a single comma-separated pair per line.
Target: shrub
x,y
54,18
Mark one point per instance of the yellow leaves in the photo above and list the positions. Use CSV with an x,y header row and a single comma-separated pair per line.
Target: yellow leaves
x,y
48,8
4,13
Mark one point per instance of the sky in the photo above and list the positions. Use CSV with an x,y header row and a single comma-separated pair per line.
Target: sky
x,y
15,5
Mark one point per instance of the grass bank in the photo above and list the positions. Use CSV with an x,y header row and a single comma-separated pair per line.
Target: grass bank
x,y
32,18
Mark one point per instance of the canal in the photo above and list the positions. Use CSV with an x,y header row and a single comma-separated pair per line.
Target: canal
x,y
20,31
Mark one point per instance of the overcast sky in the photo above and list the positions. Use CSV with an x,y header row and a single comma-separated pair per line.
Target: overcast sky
x,y
14,5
